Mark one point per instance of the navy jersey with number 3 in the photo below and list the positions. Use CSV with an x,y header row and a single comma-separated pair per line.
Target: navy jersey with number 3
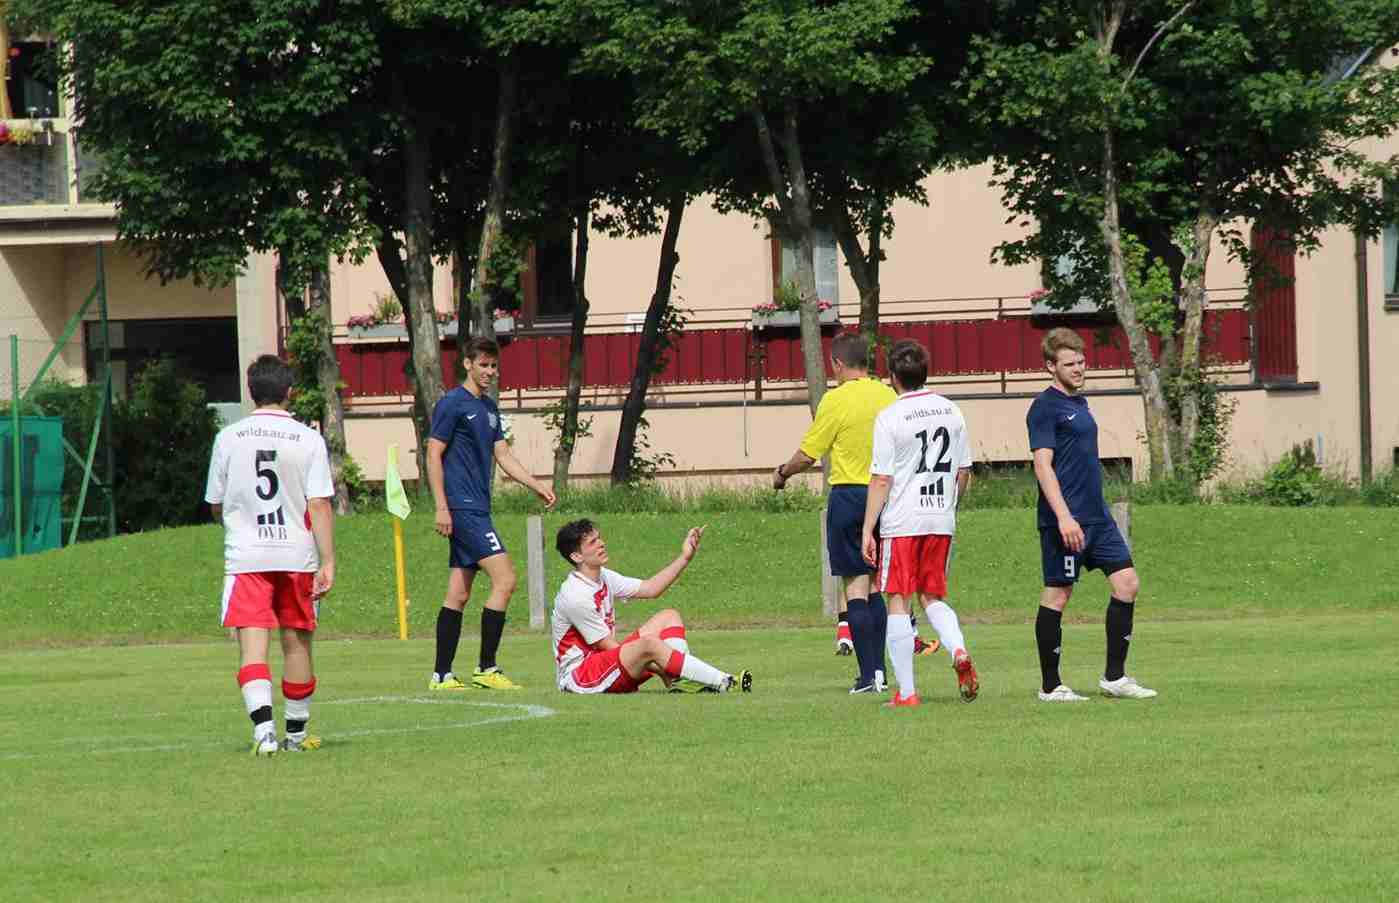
x,y
1063,422
470,427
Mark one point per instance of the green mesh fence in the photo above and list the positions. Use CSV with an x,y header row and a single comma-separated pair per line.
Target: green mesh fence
x,y
40,486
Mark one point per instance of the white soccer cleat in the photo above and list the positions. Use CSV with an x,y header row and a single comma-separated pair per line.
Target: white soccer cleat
x,y
1125,687
1061,693
266,745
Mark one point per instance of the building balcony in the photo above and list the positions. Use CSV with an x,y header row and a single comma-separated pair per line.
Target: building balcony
x,y
44,187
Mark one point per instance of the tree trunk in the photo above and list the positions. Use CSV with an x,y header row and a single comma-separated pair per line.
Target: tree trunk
x,y
5,111
568,435
328,377
420,309
864,267
484,320
635,405
391,259
1194,298
1154,402
794,200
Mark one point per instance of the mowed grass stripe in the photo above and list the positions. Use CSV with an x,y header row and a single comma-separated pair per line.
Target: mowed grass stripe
x,y
1266,770
755,569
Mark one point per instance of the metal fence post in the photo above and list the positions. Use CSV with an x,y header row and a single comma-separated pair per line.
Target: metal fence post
x,y
830,586
16,443
534,540
1122,516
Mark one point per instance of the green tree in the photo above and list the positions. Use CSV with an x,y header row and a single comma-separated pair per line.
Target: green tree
x,y
1169,124
703,67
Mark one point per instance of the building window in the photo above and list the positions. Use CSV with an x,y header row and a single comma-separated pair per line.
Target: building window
x,y
205,348
31,89
824,257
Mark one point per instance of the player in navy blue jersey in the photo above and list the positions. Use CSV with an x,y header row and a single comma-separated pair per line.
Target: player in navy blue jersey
x,y
1077,531
466,437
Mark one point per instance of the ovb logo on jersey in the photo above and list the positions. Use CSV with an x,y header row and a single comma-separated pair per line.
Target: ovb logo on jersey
x,y
272,525
492,419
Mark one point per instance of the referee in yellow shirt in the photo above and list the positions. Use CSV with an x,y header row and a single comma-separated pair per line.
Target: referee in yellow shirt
x,y
844,427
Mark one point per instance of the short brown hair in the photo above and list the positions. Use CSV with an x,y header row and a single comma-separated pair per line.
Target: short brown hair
x,y
482,345
908,361
852,350
1056,340
269,380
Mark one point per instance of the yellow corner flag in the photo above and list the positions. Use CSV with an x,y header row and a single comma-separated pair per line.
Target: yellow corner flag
x,y
394,496
396,500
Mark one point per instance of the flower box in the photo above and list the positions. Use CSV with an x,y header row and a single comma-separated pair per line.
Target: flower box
x,y
791,318
379,331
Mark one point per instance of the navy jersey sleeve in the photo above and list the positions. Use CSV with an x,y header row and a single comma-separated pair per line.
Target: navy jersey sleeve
x,y
443,419
1040,421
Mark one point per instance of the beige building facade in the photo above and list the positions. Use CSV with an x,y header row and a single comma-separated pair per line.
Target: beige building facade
x,y
730,429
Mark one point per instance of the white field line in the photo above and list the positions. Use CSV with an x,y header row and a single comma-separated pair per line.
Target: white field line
x,y
508,711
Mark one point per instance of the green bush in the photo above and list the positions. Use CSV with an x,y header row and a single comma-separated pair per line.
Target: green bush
x,y
164,434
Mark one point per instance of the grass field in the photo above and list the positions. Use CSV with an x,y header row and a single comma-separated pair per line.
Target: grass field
x,y
1266,770
755,569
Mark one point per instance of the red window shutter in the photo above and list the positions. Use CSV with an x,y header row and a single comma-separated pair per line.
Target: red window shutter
x,y
1274,296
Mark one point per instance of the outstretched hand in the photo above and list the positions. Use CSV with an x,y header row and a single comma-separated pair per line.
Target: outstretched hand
x,y
690,546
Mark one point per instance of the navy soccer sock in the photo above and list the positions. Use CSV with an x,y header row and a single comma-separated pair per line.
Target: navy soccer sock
x,y
1119,631
448,635
857,615
1049,638
880,616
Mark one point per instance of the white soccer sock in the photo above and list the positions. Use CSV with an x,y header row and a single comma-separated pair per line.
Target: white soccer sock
x,y
258,694
944,621
900,643
297,710
701,672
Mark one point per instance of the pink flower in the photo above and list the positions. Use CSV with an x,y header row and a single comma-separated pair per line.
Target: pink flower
x,y
1038,294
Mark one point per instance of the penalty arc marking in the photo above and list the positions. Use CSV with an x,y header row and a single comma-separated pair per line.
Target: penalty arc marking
x,y
495,713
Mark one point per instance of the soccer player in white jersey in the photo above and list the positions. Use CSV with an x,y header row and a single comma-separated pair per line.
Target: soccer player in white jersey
x,y
920,468
589,657
269,482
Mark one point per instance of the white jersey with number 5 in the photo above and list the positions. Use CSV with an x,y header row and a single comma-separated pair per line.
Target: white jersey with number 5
x,y
921,441
263,470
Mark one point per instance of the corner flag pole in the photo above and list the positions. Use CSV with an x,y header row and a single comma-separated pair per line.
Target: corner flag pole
x,y
396,500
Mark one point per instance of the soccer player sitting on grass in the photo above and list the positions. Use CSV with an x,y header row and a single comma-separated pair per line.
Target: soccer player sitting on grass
x,y
269,482
586,650
921,466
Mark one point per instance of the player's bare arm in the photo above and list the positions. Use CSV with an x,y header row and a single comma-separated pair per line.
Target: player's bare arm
x,y
964,479
658,583
874,504
517,472
442,521
216,511
794,465
1069,529
322,514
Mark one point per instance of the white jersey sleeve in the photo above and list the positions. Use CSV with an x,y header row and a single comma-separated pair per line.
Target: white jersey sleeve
x,y
882,460
319,485
214,487
622,587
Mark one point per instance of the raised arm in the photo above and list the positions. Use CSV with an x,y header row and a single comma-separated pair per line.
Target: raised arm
x,y
658,583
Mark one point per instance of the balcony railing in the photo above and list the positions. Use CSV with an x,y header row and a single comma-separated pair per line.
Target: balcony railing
x,y
35,173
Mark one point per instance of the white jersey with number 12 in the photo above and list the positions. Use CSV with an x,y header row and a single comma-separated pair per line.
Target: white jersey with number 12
x,y
921,441
263,470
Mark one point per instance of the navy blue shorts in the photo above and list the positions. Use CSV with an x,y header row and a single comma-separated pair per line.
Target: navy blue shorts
x,y
845,519
1103,550
473,537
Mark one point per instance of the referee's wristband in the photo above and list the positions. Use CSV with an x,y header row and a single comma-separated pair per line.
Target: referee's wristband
x,y
780,473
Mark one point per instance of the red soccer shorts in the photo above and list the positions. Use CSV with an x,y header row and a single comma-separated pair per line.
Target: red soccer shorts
x,y
270,599
914,564
602,672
